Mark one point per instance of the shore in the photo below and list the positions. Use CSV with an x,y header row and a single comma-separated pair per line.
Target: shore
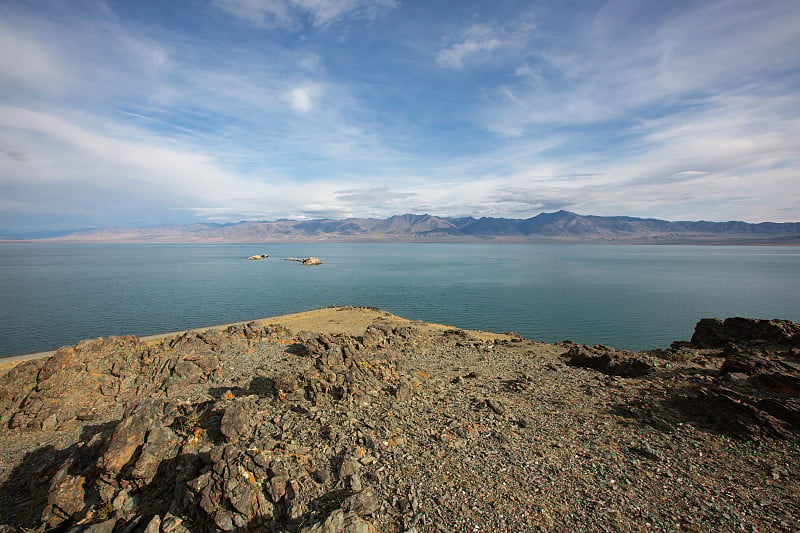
x,y
355,420
348,320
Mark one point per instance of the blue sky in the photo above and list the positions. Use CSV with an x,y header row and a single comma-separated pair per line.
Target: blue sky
x,y
119,113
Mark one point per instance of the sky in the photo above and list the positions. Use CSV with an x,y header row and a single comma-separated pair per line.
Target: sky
x,y
120,113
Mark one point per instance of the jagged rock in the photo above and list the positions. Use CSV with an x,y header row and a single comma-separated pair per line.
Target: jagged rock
x,y
327,442
231,492
65,497
123,502
363,503
129,435
173,524
607,361
285,383
154,525
208,343
235,420
348,468
341,522
18,383
62,359
716,333
277,487
777,383
188,371
161,444
753,360
730,411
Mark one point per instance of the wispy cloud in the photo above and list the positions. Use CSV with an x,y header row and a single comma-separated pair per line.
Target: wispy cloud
x,y
109,116
290,13
476,41
480,43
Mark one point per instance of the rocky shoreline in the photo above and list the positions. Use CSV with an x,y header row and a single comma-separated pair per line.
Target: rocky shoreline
x,y
389,425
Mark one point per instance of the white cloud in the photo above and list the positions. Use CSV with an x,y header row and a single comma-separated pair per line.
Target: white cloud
x,y
259,12
475,42
610,68
28,64
288,13
299,99
690,173
103,118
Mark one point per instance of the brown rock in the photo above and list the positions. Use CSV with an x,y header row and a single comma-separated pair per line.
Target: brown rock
x,y
341,522
403,392
161,444
235,420
62,359
65,497
363,503
106,526
129,434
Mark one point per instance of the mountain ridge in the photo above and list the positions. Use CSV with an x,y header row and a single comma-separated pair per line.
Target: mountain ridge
x,y
558,226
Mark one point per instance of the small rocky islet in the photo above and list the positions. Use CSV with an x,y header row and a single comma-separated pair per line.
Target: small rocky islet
x,y
406,427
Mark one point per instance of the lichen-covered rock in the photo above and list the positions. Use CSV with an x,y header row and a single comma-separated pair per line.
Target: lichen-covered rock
x,y
129,435
231,492
65,498
161,444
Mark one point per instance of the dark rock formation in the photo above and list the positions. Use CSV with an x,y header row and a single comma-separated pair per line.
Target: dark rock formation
x,y
608,361
716,333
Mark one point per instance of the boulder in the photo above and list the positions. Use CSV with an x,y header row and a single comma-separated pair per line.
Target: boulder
x,y
129,435
607,361
161,445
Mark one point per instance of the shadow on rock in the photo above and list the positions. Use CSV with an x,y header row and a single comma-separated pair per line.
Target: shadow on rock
x,y
43,477
734,411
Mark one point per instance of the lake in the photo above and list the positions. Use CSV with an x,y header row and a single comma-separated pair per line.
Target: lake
x,y
632,297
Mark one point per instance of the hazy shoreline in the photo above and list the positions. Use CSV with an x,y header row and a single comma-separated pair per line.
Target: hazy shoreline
x,y
544,228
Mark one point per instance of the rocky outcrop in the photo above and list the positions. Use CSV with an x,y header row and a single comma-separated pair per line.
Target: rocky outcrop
x,y
716,333
608,361
255,428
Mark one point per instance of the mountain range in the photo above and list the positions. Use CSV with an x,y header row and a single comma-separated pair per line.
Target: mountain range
x,y
560,226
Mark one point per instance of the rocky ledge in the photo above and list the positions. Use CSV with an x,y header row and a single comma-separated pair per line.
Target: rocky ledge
x,y
404,428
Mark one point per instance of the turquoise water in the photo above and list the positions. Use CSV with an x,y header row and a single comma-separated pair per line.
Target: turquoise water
x,y
632,297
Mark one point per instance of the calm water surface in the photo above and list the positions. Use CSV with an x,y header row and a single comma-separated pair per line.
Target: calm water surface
x,y
632,297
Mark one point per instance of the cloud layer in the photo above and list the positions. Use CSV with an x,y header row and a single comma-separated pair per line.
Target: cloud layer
x,y
112,114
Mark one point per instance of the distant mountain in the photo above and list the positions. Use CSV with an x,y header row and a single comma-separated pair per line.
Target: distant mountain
x,y
561,226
